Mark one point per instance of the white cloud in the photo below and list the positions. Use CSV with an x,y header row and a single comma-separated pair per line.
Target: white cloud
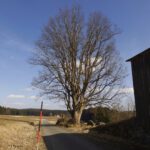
x,y
15,96
127,90
98,63
33,97
28,89
18,103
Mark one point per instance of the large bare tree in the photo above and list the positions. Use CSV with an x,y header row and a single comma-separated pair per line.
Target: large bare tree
x,y
80,64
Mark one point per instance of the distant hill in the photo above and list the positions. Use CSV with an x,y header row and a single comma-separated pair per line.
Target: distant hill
x,y
30,111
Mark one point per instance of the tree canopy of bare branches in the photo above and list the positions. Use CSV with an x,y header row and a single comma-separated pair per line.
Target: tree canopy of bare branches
x,y
80,64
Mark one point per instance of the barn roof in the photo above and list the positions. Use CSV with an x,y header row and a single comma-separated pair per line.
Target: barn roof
x,y
140,54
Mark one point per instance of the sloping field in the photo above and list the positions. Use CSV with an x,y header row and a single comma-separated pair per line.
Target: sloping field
x,y
18,135
28,119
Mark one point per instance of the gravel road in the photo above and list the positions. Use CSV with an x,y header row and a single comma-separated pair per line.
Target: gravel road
x,y
57,138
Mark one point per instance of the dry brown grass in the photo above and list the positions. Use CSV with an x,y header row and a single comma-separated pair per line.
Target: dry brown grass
x,y
17,134
28,119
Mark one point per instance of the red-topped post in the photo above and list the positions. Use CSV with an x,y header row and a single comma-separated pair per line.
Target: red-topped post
x,y
40,122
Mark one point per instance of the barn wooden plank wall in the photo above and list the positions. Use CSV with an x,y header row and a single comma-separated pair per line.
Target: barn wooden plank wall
x,y
141,82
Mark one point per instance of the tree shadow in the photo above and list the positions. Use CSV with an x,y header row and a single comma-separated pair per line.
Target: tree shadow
x,y
77,141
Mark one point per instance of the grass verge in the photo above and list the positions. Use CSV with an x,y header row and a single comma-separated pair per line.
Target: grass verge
x,y
17,133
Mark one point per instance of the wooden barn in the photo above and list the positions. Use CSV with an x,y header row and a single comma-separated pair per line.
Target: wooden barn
x,y
141,81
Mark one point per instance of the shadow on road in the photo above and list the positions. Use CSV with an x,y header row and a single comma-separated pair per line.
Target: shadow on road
x,y
75,141
70,141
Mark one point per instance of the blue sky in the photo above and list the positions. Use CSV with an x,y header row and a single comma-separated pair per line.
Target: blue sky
x,y
21,22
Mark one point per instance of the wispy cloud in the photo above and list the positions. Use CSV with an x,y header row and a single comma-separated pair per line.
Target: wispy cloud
x,y
17,96
28,89
127,90
33,97
14,96
9,40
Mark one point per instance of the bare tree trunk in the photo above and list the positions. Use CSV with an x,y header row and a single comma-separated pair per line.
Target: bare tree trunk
x,y
77,117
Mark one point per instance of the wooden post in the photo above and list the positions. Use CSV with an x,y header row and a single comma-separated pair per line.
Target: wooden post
x,y
39,127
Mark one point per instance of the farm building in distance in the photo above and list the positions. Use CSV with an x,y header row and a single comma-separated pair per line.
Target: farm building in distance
x,y
141,81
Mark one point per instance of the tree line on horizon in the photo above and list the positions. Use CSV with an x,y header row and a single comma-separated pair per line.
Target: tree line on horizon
x,y
29,112
97,114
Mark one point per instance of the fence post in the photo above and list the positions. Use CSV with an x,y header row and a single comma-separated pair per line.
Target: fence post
x,y
39,127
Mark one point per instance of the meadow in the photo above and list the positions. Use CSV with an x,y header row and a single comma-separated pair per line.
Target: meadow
x,y
19,133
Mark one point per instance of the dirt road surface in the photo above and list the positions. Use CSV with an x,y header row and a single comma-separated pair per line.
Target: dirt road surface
x,y
57,138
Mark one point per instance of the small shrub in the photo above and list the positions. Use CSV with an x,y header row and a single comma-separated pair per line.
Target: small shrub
x,y
91,123
32,123
61,122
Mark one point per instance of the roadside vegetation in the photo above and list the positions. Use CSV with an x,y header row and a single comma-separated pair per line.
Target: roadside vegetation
x,y
128,131
17,133
98,116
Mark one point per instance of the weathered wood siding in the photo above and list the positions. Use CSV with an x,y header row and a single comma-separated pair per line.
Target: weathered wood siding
x,y
141,82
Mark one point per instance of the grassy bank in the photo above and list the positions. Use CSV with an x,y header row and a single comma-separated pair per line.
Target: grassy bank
x,y
17,133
